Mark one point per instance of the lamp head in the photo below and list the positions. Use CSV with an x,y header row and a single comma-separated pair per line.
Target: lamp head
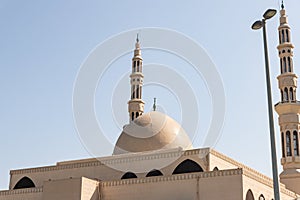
x,y
269,13
257,25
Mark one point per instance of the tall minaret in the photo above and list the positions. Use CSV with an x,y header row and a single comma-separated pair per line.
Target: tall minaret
x,y
288,108
136,104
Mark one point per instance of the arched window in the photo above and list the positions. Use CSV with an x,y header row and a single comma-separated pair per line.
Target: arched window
x,y
136,115
249,195
137,92
287,35
291,94
281,67
285,94
283,51
289,64
282,144
282,36
138,65
187,166
296,143
288,144
261,197
215,169
140,92
128,175
133,92
132,116
154,172
284,64
134,66
24,182
282,98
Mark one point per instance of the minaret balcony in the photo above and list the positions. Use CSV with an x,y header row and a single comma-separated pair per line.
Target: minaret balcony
x,y
136,74
288,107
285,45
290,162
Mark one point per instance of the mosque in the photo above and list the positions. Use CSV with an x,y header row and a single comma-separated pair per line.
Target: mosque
x,y
154,158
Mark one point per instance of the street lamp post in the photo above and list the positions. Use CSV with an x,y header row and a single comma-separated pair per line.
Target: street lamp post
x,y
257,25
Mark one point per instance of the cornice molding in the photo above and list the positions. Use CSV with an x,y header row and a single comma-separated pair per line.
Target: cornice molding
x,y
111,160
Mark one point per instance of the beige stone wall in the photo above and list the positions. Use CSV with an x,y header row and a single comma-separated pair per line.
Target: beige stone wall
x,y
292,181
207,185
263,187
220,161
62,189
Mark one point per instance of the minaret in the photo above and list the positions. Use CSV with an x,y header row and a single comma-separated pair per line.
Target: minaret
x,y
136,104
288,108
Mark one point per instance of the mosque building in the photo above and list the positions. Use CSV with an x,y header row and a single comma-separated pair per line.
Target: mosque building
x,y
154,158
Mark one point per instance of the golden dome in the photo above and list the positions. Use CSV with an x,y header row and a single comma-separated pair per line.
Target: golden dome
x,y
152,131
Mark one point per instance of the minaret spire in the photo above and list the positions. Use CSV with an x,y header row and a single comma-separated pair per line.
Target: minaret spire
x,y
136,104
282,5
288,108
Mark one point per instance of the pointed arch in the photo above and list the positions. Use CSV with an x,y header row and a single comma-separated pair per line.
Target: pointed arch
x,y
128,175
133,92
284,64
24,182
289,64
296,143
154,172
282,144
291,94
249,195
187,166
138,65
285,94
281,67
287,35
137,92
261,197
288,144
282,36
134,66
216,169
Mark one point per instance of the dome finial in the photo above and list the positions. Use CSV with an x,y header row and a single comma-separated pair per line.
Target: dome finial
x,y
137,38
282,5
154,104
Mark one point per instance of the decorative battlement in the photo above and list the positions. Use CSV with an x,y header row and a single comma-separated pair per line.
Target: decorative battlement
x,y
173,177
21,191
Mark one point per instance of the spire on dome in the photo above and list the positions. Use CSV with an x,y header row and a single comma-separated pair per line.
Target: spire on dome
x,y
154,104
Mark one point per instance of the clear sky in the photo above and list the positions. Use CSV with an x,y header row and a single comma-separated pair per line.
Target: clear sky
x,y
44,43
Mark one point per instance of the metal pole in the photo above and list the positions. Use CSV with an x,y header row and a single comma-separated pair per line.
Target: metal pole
x,y
271,122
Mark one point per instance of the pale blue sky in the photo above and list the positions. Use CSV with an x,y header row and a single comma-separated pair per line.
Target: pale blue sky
x,y
43,44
